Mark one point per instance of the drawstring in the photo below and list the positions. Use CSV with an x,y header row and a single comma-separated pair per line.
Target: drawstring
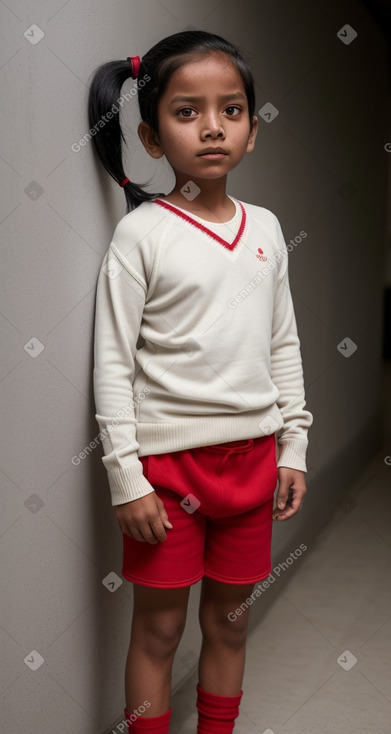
x,y
230,450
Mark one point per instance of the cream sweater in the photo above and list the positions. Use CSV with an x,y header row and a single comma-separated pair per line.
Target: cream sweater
x,y
195,340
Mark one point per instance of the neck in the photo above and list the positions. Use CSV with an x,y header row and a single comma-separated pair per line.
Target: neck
x,y
211,197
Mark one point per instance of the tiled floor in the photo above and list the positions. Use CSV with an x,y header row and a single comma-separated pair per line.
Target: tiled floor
x,y
319,661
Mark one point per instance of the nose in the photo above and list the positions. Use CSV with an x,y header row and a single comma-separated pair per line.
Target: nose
x,y
217,132
213,128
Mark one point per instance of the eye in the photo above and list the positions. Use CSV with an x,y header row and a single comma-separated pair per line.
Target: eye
x,y
234,107
185,109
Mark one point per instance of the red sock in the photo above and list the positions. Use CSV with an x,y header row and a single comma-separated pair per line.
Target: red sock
x,y
216,714
152,724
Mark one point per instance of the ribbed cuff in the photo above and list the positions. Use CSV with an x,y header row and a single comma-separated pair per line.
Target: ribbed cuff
x,y
216,714
292,453
128,484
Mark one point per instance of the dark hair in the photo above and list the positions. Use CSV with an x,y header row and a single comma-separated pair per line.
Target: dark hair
x,y
157,67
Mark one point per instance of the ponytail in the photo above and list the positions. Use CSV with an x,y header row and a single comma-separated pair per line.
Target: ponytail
x,y
103,115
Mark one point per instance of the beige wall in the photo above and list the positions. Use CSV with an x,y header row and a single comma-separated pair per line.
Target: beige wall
x,y
320,165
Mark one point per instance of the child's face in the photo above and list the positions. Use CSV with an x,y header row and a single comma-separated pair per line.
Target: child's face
x,y
187,128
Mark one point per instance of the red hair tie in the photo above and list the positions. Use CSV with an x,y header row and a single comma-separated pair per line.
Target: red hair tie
x,y
125,181
135,62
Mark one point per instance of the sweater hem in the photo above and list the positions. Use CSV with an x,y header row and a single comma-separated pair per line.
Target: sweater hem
x,y
169,436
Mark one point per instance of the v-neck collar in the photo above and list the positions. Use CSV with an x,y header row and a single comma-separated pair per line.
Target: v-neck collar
x,y
188,217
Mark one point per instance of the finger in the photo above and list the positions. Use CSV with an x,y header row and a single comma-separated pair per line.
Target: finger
x,y
163,513
164,517
135,533
284,495
291,509
144,533
150,531
127,532
158,529
124,529
149,535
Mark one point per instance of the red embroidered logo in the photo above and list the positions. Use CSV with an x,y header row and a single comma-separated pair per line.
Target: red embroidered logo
x,y
260,254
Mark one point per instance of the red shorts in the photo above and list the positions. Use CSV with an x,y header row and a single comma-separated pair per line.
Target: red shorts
x,y
219,499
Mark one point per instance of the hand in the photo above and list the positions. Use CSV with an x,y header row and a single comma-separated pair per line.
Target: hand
x,y
144,519
290,495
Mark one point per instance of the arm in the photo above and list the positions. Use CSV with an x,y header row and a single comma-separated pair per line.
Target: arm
x,y
120,299
287,375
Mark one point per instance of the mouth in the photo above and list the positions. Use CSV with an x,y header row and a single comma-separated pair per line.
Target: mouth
x,y
213,153
213,156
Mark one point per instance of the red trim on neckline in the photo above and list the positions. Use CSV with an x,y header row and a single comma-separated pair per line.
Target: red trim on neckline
x,y
189,218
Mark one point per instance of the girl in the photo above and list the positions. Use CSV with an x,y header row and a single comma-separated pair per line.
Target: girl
x,y
198,376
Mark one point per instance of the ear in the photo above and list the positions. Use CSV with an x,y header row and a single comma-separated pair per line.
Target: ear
x,y
149,140
252,136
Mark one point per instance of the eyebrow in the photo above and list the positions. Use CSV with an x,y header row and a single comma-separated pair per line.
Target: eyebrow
x,y
234,95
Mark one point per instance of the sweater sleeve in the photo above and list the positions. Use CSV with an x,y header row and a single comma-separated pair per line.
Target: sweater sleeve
x,y
120,299
287,372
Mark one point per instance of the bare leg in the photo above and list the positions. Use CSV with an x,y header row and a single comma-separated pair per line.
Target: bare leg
x,y
223,651
159,618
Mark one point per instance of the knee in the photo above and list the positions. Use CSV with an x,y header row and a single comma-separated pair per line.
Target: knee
x,y
219,629
160,634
